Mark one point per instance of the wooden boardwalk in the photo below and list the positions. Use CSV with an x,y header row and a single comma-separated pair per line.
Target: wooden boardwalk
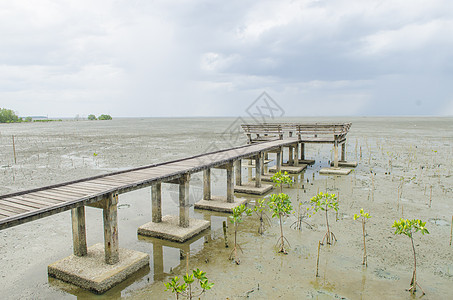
x,y
21,207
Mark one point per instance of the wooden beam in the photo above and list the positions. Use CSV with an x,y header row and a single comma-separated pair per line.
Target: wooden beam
x,y
79,238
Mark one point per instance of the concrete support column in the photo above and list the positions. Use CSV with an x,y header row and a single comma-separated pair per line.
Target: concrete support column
x,y
258,170
184,201
230,182
207,184
279,160
302,151
110,212
79,237
343,151
290,155
156,199
262,163
296,155
335,161
238,172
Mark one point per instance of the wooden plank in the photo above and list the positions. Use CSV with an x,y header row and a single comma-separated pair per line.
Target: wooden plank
x,y
70,190
7,213
38,199
12,209
18,205
27,203
59,197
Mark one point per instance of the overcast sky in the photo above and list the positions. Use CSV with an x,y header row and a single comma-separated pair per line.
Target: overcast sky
x,y
142,58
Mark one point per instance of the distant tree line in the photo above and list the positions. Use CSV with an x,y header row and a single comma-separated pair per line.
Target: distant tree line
x,y
101,117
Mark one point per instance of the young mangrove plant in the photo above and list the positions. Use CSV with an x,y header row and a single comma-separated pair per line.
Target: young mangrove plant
x,y
363,215
236,218
300,216
280,206
187,289
324,201
280,178
260,211
408,228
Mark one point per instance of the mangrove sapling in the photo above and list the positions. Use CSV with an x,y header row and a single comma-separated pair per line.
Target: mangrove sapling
x,y
259,210
280,206
186,289
280,178
363,215
236,218
300,217
408,228
324,201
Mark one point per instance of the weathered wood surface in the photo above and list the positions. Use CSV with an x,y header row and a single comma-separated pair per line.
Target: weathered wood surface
x,y
25,206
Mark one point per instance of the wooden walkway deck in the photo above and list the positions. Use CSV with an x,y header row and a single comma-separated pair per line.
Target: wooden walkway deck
x,y
22,207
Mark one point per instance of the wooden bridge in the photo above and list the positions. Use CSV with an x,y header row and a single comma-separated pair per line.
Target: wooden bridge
x,y
102,192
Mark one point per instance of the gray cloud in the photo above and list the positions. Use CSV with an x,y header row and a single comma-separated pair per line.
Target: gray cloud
x,y
191,58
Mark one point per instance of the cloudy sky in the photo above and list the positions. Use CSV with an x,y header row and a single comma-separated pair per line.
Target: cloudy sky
x,y
142,58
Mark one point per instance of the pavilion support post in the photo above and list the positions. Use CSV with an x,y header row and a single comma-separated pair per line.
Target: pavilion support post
x,y
335,161
79,237
343,151
230,182
238,172
258,170
296,155
279,160
290,155
302,151
184,201
110,212
156,199
207,184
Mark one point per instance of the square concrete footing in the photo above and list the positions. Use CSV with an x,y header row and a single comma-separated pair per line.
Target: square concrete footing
x,y
289,169
334,171
307,161
342,163
92,273
220,204
169,229
250,188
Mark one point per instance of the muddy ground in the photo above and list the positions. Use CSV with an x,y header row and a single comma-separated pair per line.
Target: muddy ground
x,y
409,156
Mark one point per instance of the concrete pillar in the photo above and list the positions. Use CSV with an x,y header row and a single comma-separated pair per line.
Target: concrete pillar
x,y
335,161
296,155
110,212
184,204
290,155
343,151
156,199
302,151
230,182
238,172
258,170
79,237
207,184
279,160
262,163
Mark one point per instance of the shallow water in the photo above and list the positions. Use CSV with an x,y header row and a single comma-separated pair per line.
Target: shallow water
x,y
396,149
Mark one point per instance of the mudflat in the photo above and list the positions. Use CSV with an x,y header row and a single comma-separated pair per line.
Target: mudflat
x,y
404,170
